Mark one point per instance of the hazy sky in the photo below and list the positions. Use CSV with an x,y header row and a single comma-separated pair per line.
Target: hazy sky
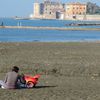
x,y
10,8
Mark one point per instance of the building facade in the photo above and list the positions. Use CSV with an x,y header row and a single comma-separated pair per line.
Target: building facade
x,y
73,9
55,10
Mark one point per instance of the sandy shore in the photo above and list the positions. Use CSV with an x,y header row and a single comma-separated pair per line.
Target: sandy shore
x,y
51,28
69,71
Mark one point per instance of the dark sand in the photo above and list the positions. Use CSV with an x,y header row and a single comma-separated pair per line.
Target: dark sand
x,y
69,71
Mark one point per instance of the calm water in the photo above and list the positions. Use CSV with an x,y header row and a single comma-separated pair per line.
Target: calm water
x,y
21,35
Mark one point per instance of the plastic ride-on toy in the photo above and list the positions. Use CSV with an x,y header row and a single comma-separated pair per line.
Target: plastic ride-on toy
x,y
31,81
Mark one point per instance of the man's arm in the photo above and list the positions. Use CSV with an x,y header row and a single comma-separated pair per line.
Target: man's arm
x,y
22,79
6,77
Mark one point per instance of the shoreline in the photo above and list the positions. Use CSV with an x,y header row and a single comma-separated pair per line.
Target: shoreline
x,y
36,41
51,28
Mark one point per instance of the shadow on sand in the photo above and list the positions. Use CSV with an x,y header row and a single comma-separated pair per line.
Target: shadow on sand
x,y
39,87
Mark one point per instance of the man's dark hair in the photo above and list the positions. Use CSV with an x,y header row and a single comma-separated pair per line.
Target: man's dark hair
x,y
15,68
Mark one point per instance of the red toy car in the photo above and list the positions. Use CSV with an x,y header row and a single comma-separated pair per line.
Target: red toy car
x,y
31,81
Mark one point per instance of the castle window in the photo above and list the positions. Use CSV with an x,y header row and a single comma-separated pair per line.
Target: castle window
x,y
84,7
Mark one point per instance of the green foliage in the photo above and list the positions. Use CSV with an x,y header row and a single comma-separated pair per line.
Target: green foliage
x,y
92,8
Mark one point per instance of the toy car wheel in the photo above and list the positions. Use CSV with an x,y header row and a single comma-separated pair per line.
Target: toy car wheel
x,y
30,84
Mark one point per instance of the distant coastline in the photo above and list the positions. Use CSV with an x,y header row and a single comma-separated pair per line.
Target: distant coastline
x,y
78,18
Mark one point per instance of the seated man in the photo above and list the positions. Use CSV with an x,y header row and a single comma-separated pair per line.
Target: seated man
x,y
11,79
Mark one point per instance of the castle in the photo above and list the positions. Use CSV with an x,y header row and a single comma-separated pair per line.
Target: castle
x,y
56,10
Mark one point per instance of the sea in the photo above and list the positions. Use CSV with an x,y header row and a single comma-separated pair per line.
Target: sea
x,y
30,35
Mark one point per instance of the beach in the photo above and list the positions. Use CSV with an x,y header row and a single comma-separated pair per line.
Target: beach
x,y
69,70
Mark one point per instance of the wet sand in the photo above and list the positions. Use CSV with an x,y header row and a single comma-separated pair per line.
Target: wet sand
x,y
69,71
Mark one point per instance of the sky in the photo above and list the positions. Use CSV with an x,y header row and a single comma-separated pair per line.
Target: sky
x,y
23,8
